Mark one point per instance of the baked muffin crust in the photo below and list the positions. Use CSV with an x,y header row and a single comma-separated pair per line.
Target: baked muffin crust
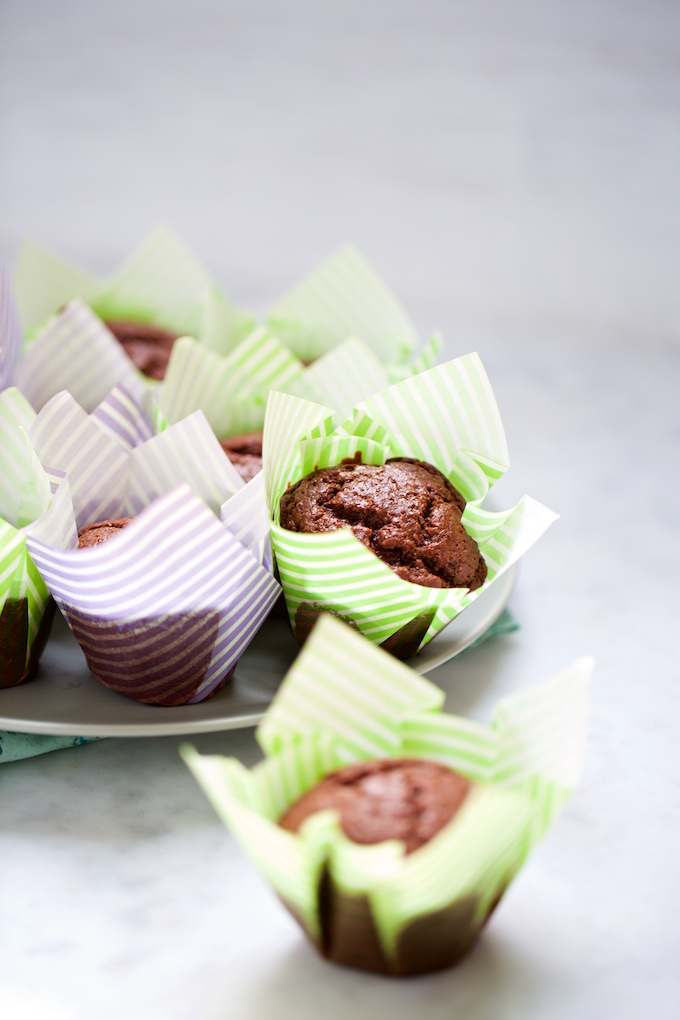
x,y
101,531
147,346
405,511
400,798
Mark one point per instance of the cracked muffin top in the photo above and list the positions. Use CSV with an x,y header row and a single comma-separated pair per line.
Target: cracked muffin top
x,y
396,798
405,511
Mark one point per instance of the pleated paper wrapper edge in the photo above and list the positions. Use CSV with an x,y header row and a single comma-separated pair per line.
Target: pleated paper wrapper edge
x,y
162,282
232,389
345,701
345,297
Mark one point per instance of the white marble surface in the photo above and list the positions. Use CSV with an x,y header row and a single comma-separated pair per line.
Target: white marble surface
x,y
512,170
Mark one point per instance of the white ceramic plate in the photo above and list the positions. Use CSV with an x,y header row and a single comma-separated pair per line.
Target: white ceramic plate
x,y
65,698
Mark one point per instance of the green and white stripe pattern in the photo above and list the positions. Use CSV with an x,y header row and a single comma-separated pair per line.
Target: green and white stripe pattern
x,y
25,495
447,417
231,389
342,377
229,375
161,282
343,297
70,348
345,701
44,281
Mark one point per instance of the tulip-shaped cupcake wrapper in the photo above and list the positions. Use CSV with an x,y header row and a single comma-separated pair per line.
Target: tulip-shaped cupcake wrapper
x,y
75,351
345,701
230,389
165,609
26,609
345,297
447,417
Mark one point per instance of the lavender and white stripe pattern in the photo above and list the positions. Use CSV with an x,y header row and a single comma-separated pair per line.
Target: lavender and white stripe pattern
x,y
164,610
75,351
123,416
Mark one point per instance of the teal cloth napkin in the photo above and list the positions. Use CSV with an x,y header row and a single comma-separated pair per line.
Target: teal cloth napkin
x,y
14,746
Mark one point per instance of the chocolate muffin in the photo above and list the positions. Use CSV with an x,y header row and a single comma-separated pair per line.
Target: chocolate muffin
x,y
398,798
101,531
245,453
147,346
405,511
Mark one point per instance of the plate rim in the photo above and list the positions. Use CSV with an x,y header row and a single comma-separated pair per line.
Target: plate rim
x,y
502,587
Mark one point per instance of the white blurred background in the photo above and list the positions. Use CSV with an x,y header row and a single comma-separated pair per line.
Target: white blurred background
x,y
508,167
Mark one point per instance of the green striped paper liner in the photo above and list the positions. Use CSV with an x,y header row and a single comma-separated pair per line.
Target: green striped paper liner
x,y
25,494
232,389
345,701
447,417
343,297
160,282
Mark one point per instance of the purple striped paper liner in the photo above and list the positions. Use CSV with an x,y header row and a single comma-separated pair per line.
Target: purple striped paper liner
x,y
65,437
10,332
57,526
108,480
246,516
175,562
185,452
124,417
76,352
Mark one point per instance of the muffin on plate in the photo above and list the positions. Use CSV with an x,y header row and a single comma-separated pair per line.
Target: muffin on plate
x,y
379,518
165,605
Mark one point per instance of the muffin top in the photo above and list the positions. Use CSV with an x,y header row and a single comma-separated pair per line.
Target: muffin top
x,y
399,798
101,531
147,346
405,511
245,453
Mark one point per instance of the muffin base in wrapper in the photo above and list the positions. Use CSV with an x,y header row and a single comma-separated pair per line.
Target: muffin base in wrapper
x,y
374,907
26,609
196,603
349,937
446,417
15,644
165,609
